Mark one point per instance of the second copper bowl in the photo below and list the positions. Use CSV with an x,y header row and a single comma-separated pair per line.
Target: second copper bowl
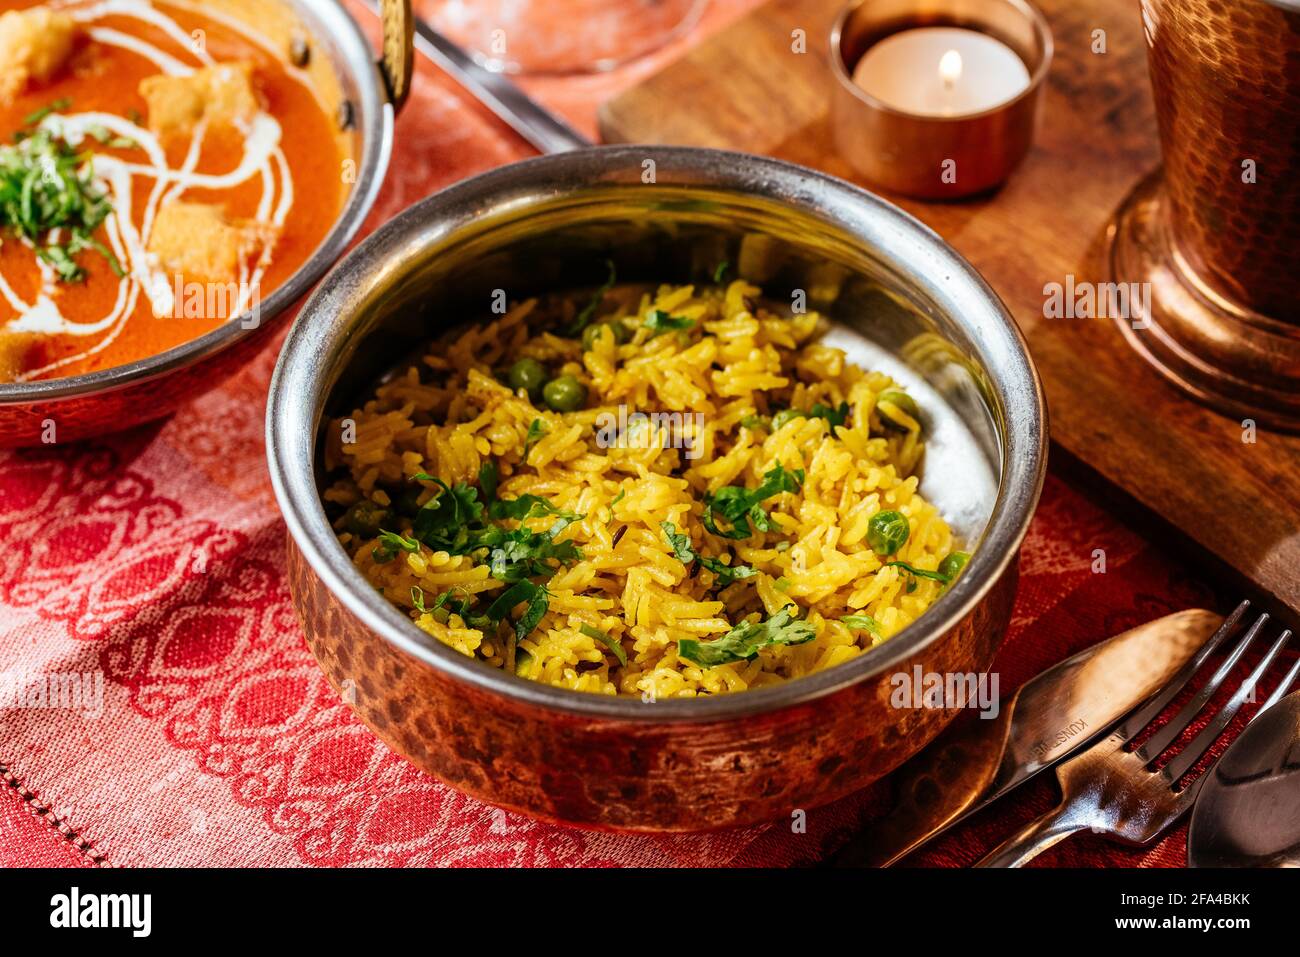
x,y
89,405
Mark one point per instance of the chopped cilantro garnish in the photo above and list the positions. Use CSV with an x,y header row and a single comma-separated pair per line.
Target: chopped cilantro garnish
x,y
744,641
443,523
741,506
720,271
589,311
622,494
537,598
611,643
527,506
488,476
659,322
458,523
56,106
390,543
536,429
514,556
105,137
864,622
681,543
46,185
538,603
508,599
460,607
835,416
454,522
921,572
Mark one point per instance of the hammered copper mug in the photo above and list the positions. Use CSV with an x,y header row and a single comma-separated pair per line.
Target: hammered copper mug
x,y
1216,232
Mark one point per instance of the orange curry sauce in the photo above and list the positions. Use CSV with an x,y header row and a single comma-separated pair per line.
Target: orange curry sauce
x,y
106,78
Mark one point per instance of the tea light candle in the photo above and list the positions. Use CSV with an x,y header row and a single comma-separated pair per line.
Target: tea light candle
x,y
943,105
941,71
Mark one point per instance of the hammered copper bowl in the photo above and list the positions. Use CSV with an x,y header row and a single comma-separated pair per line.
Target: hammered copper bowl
x,y
902,300
368,96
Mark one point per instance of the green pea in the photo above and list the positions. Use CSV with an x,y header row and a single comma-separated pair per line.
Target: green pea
x,y
592,333
564,394
366,518
953,564
784,416
528,374
887,532
892,401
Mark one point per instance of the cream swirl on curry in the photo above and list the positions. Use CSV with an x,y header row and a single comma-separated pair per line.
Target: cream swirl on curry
x,y
167,166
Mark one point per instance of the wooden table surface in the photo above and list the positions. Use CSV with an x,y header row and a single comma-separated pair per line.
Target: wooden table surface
x,y
1234,494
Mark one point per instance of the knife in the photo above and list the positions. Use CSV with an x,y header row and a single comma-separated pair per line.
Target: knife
x,y
974,762
540,127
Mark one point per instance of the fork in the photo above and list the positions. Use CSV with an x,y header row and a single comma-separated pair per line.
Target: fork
x,y
1115,789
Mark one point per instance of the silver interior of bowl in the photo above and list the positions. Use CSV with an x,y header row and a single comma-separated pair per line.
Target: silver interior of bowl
x,y
370,118
959,473
900,300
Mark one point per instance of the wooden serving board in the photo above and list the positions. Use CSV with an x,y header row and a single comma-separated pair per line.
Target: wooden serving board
x,y
746,89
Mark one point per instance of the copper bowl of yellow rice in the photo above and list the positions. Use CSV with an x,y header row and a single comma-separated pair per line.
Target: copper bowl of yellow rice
x,y
627,487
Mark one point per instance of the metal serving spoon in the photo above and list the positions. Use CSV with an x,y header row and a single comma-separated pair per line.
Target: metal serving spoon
x,y
1248,812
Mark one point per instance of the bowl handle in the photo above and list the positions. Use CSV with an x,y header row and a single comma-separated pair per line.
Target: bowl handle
x,y
398,63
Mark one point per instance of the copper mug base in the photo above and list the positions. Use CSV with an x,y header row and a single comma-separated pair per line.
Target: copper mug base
x,y
1229,357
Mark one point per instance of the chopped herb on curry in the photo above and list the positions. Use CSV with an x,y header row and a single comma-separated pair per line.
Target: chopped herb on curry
x,y
47,186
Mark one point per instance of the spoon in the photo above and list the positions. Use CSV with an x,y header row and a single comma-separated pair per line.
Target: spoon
x,y
1248,811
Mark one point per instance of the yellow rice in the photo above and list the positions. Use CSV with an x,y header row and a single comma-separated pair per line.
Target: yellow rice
x,y
451,412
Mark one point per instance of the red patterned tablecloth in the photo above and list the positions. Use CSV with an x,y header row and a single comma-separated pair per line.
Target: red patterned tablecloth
x,y
155,559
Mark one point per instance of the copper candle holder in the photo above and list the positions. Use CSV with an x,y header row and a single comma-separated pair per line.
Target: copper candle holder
x,y
930,156
1217,233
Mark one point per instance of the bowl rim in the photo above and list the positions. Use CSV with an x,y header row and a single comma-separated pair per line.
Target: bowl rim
x,y
325,323
375,117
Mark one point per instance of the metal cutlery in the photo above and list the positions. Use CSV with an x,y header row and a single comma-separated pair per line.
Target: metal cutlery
x,y
1120,790
1050,717
1248,812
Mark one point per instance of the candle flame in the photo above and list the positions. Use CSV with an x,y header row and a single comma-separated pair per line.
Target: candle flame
x,y
950,68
